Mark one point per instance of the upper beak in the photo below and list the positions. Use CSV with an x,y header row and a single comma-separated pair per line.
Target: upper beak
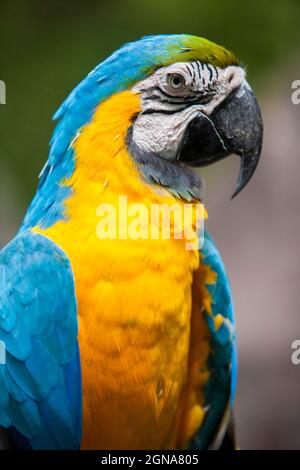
x,y
235,126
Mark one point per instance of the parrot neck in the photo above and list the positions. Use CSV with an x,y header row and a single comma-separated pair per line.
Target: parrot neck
x,y
105,171
98,168
89,159
106,178
181,181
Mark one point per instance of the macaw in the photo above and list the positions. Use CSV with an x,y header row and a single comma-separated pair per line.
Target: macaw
x,y
123,343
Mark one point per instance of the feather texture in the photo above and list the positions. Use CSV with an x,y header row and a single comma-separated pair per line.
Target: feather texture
x,y
38,326
219,390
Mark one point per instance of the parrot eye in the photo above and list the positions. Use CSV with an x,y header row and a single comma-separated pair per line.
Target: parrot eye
x,y
176,81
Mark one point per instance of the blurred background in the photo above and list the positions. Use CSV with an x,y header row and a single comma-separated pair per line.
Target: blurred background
x,y
47,47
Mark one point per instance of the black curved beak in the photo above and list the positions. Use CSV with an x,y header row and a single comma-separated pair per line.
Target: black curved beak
x,y
235,126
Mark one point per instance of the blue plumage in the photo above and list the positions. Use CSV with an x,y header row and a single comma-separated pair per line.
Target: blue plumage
x,y
40,384
220,390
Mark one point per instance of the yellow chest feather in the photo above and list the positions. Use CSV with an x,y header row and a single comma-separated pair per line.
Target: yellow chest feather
x,y
134,297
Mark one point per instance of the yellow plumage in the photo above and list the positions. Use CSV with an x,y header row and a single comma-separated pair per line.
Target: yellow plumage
x,y
143,341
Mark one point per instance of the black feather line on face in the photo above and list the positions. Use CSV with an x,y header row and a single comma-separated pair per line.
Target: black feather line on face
x,y
182,181
200,97
210,73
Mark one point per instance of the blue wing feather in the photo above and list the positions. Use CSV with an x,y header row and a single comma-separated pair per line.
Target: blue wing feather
x,y
220,390
40,382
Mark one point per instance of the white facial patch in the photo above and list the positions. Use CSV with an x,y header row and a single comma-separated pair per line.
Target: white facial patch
x,y
173,96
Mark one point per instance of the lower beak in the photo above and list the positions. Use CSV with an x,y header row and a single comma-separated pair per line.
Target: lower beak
x,y
234,127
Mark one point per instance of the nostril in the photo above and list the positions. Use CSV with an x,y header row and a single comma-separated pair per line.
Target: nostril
x,y
230,78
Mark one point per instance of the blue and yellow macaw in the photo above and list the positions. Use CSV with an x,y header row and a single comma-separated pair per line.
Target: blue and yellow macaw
x,y
121,343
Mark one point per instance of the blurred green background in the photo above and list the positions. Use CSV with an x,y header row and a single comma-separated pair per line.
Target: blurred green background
x,y
48,46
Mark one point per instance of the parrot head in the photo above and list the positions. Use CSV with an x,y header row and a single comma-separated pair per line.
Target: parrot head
x,y
196,110
196,107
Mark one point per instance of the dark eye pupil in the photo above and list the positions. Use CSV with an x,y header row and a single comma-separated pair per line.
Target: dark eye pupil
x,y
176,81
